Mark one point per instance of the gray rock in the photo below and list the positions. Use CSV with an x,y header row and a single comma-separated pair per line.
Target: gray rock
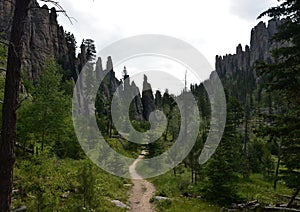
x,y
65,195
119,204
160,198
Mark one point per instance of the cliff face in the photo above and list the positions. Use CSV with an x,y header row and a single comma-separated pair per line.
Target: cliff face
x,y
238,70
243,61
43,38
6,11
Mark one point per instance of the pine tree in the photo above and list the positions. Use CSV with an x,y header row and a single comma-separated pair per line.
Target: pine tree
x,y
220,185
70,66
283,77
90,49
87,181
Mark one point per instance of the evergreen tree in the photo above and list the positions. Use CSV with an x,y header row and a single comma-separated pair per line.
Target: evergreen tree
x,y
283,77
90,49
71,44
87,181
220,186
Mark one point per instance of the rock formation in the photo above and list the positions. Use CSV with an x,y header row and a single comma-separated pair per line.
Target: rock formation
x,y
110,83
43,38
260,46
147,98
6,11
131,91
238,70
138,109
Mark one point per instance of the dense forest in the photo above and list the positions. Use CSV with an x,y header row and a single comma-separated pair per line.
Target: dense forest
x,y
43,167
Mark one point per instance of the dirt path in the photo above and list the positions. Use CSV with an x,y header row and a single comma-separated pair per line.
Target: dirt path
x,y
141,191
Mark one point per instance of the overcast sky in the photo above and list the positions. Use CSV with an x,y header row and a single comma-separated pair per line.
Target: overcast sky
x,y
214,27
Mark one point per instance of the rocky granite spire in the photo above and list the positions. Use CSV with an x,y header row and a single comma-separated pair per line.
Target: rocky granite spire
x,y
134,93
43,38
137,104
147,98
109,64
111,76
99,68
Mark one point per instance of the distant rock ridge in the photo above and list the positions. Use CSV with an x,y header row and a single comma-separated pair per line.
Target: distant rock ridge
x,y
243,60
240,67
44,38
110,84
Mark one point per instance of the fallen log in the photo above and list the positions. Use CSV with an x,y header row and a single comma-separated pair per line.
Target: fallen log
x,y
269,208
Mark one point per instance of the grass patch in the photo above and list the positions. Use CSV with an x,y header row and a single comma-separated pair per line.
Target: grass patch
x,y
174,187
186,204
41,181
257,187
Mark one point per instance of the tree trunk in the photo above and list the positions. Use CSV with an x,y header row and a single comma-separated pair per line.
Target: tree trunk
x,y
278,164
246,131
167,128
192,175
293,198
110,128
10,104
44,129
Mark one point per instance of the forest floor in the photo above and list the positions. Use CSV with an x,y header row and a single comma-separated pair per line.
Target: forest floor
x,y
142,190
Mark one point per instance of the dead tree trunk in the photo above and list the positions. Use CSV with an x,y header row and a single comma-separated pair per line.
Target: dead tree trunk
x,y
10,103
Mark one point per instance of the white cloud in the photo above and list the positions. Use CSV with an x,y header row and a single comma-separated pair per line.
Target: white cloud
x,y
250,9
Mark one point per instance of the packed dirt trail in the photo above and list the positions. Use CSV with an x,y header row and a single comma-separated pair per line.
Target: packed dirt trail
x,y
141,191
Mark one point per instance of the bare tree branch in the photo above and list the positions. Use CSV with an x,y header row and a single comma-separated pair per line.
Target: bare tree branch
x,y
60,9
